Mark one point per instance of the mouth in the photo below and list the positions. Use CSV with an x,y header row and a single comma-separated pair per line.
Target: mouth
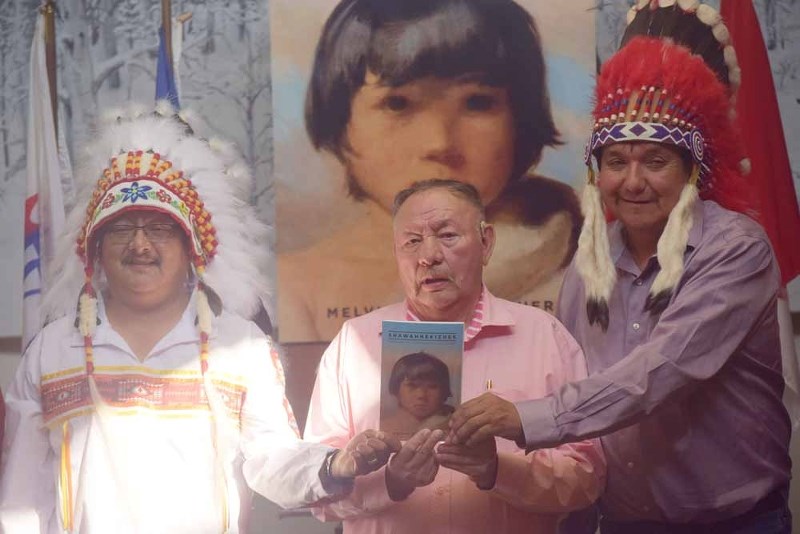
x,y
140,263
636,201
434,282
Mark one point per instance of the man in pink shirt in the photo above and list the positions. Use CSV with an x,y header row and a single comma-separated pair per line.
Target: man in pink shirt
x,y
441,244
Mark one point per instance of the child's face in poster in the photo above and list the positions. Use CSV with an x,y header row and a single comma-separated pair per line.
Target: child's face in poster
x,y
421,398
430,128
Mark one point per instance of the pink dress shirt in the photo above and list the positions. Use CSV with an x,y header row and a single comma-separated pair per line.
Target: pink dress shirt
x,y
524,353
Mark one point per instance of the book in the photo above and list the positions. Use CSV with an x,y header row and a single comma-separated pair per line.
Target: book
x,y
420,375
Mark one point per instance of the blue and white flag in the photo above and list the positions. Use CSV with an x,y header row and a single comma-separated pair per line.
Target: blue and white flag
x,y
166,78
44,199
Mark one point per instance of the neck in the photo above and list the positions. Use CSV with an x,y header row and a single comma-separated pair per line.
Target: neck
x,y
460,312
642,244
142,324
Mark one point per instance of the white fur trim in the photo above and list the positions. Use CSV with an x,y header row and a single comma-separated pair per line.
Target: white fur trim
x,y
666,3
729,53
630,15
689,5
204,313
87,319
593,257
672,243
721,34
708,15
735,76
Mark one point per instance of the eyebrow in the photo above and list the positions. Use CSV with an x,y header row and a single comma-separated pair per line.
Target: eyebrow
x,y
132,222
480,78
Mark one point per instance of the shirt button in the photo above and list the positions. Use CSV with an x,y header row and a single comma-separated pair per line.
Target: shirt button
x,y
638,282
636,326
630,465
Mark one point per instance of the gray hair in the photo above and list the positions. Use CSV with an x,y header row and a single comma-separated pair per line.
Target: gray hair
x,y
459,189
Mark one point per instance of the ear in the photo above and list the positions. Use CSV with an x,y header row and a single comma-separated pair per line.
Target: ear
x,y
487,240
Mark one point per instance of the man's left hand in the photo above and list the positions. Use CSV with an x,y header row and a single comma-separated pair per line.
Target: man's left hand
x,y
479,463
483,417
365,453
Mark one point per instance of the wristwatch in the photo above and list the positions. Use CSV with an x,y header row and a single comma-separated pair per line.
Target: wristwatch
x,y
330,483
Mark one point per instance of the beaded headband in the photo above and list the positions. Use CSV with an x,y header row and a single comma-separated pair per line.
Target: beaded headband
x,y
144,180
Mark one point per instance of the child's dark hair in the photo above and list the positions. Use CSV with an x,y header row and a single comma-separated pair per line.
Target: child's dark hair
x,y
420,366
404,40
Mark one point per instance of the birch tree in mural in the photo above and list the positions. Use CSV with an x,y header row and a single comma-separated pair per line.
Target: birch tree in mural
x,y
107,53
16,28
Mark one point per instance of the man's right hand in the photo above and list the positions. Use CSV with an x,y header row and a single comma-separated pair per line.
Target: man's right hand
x,y
365,453
484,417
414,465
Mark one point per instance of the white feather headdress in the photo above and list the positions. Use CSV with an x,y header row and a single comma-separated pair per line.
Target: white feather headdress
x,y
235,269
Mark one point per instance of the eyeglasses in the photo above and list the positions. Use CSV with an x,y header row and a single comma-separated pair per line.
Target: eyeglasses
x,y
122,234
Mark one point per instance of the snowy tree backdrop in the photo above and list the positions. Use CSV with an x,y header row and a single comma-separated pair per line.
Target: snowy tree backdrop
x,y
107,56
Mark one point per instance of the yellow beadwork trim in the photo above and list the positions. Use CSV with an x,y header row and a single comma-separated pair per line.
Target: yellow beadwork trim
x,y
65,479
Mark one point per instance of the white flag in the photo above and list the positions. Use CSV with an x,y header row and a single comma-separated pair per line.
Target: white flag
x,y
44,202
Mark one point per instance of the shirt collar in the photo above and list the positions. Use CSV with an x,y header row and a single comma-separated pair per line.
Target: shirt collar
x,y
486,313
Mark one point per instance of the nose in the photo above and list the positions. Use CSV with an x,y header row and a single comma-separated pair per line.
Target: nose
x,y
634,181
140,243
430,252
439,134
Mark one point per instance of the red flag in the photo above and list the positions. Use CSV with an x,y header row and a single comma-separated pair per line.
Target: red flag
x,y
762,133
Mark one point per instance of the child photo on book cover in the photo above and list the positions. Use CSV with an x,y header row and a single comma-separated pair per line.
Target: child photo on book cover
x,y
420,375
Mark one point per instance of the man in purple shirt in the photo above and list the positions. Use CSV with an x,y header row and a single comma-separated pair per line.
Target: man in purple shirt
x,y
674,304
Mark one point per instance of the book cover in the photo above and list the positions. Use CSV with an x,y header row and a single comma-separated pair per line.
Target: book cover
x,y
420,375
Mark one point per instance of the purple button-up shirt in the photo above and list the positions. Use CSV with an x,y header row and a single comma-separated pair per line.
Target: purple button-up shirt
x,y
692,398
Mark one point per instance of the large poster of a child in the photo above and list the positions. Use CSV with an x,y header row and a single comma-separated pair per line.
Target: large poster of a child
x,y
372,95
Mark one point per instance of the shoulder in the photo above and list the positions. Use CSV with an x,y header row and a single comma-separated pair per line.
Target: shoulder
x,y
729,225
61,332
730,235
56,347
61,327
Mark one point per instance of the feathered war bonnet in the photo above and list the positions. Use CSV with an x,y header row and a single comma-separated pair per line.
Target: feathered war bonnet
x,y
152,160
673,81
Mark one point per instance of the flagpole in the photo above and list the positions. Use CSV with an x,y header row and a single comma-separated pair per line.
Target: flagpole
x,y
166,24
49,12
